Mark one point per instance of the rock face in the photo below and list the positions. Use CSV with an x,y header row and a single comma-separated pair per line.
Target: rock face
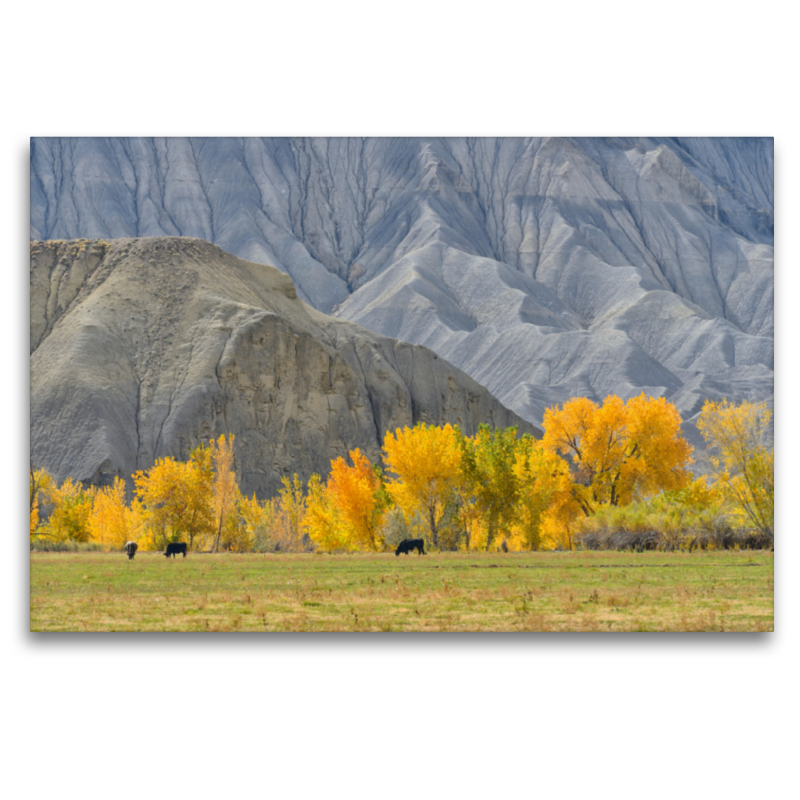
x,y
544,268
142,348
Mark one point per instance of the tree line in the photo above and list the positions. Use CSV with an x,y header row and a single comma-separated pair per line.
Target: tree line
x,y
614,474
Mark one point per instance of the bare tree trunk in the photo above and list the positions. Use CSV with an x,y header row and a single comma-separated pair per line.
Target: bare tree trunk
x,y
434,531
219,533
490,533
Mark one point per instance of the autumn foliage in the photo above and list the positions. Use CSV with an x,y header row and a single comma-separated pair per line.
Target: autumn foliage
x,y
614,474
426,461
739,443
619,450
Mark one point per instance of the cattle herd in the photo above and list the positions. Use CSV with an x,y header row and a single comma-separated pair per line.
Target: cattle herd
x,y
173,548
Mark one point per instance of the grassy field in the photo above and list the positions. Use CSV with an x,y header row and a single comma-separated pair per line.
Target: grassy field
x,y
588,591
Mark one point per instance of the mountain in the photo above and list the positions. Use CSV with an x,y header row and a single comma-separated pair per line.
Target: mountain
x,y
143,348
543,267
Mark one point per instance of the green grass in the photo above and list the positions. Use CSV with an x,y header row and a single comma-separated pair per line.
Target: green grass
x,y
586,591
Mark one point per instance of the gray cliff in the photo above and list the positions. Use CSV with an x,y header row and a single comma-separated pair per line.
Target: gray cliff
x,y
544,268
143,348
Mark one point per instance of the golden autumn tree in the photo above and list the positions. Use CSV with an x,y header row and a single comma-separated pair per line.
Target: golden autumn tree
x,y
739,445
426,460
226,490
257,520
178,497
467,515
235,536
356,493
323,520
619,450
287,513
111,523
72,511
543,483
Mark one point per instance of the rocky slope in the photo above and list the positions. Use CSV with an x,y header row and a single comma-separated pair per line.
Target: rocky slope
x,y
142,348
544,268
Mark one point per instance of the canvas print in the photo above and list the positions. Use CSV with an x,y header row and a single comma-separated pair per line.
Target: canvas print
x,y
415,384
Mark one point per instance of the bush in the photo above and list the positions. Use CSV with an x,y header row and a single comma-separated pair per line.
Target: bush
x,y
665,523
41,544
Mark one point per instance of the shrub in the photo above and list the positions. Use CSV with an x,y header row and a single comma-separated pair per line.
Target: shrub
x,y
42,544
665,522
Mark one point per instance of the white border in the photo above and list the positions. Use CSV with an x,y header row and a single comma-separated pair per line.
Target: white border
x,y
654,716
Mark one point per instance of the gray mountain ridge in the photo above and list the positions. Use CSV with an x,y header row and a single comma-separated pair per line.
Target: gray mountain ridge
x,y
545,268
144,348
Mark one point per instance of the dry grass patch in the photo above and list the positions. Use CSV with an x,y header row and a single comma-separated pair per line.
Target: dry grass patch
x,y
597,591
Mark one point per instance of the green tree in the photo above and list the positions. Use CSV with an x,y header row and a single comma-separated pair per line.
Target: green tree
x,y
488,464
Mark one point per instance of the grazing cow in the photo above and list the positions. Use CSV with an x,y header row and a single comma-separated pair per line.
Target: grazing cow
x,y
173,548
407,545
130,549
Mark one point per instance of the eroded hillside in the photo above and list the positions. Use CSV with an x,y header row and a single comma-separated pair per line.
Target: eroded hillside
x,y
142,348
543,267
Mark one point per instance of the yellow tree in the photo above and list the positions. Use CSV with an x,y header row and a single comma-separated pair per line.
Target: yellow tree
x,y
72,511
619,450
257,520
356,492
111,523
41,483
739,445
177,496
236,537
141,531
426,461
226,490
543,480
323,521
286,516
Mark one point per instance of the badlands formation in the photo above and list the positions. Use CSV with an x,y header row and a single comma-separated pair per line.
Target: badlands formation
x,y
543,268
143,348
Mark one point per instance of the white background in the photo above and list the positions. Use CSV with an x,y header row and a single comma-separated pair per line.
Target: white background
x,y
211,716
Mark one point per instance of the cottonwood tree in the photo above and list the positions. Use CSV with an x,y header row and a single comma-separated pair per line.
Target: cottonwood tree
x,y
347,512
256,520
488,464
543,482
72,511
357,493
111,523
426,460
177,496
739,444
226,489
619,450
322,520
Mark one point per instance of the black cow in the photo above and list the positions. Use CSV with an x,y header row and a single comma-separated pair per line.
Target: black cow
x,y
173,548
407,545
130,549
